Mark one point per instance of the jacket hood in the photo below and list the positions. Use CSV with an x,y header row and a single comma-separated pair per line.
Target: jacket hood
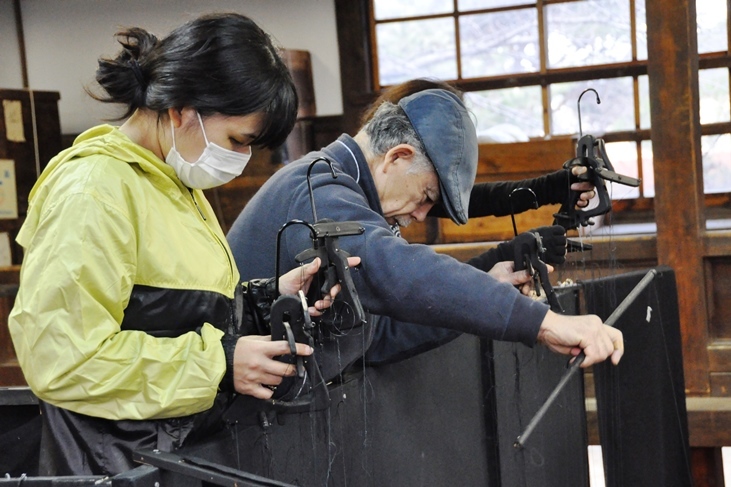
x,y
107,140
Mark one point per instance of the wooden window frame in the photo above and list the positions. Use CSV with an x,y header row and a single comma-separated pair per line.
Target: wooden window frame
x,y
361,86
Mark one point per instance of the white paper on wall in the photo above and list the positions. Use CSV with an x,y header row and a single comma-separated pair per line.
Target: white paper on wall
x,y
8,191
13,111
5,255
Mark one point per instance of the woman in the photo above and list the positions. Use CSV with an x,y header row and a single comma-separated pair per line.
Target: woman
x,y
128,320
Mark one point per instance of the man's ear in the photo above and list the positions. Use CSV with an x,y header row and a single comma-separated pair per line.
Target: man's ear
x,y
400,154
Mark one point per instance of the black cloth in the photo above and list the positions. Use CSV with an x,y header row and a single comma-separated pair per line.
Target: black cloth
x,y
20,437
77,444
643,422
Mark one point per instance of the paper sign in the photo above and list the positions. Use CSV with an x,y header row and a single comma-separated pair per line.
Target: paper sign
x,y
13,111
8,193
5,255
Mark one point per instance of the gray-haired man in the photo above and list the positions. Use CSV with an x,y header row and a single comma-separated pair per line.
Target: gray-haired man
x,y
408,157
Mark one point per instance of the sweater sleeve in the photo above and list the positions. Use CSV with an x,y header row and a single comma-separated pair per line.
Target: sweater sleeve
x,y
488,199
412,282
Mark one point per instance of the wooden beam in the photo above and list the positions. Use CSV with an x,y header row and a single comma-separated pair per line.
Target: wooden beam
x,y
356,67
709,420
679,203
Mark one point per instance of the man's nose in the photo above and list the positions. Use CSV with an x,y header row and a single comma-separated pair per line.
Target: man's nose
x,y
420,213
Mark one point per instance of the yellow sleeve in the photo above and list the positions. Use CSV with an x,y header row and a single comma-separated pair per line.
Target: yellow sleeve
x,y
76,279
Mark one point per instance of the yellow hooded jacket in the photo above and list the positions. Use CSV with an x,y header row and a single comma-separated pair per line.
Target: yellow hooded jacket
x,y
113,317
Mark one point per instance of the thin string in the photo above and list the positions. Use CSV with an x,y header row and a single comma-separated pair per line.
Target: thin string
x,y
518,409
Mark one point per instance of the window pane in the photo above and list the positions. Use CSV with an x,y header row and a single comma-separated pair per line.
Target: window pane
x,y
615,113
499,43
641,21
404,52
643,83
623,157
716,151
508,115
713,92
588,32
711,20
485,4
648,173
398,9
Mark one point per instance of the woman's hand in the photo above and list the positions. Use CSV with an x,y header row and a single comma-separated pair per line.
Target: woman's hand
x,y
301,278
585,187
254,368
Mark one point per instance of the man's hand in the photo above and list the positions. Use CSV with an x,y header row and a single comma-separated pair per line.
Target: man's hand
x,y
570,335
505,272
254,366
300,278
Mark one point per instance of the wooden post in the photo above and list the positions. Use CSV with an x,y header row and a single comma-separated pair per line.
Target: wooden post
x,y
679,204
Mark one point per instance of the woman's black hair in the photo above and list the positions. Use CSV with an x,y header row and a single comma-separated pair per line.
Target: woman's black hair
x,y
218,64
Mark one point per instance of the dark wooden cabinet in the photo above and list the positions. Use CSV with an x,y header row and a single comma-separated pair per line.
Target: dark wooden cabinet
x,y
41,134
30,135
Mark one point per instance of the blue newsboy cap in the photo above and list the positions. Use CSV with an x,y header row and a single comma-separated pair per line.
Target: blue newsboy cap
x,y
449,137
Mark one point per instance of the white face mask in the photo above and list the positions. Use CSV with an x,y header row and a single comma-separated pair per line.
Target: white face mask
x,y
215,166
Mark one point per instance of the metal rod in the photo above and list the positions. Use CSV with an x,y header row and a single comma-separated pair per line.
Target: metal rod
x,y
309,183
578,107
576,364
512,209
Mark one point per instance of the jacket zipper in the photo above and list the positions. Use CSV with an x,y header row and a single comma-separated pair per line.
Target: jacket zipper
x,y
195,202
223,247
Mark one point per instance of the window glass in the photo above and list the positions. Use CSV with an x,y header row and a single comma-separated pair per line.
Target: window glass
x,y
499,43
507,115
713,93
614,113
643,83
711,25
648,174
623,157
641,28
504,40
398,9
588,32
413,49
485,4
716,151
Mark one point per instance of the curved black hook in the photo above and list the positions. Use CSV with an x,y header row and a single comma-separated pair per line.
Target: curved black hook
x,y
309,183
279,237
578,106
534,204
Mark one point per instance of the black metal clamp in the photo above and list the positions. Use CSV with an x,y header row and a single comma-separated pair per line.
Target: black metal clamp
x,y
590,153
290,319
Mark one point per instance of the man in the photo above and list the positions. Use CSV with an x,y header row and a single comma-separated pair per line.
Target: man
x,y
407,158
